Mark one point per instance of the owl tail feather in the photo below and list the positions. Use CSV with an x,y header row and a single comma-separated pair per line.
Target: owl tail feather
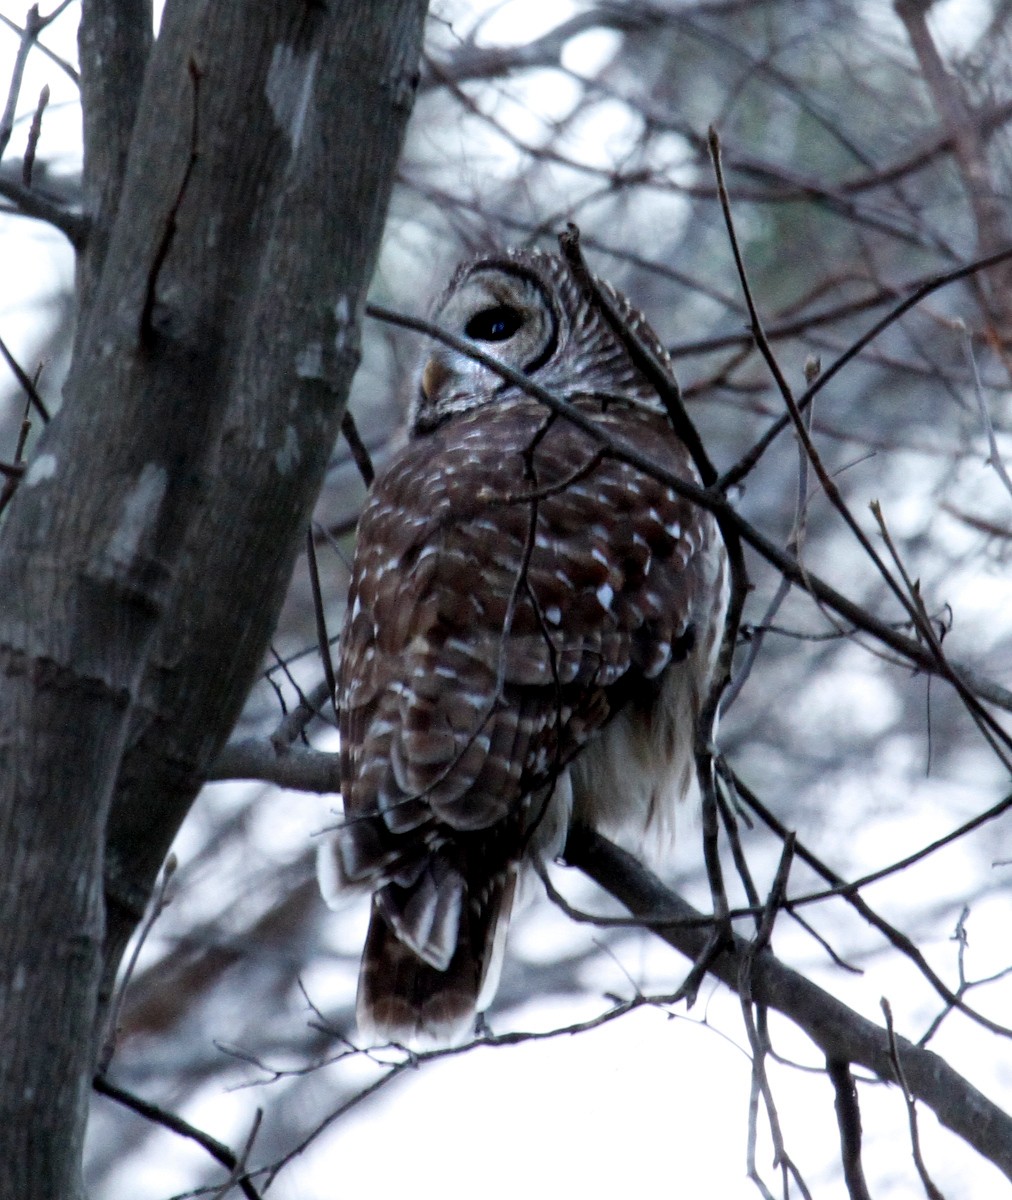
x,y
404,998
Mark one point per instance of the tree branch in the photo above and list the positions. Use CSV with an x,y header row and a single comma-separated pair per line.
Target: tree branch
x,y
839,1032
296,767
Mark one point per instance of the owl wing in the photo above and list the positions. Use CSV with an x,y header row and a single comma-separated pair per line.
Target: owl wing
x,y
514,587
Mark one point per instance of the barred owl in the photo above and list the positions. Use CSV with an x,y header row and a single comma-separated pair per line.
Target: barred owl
x,y
530,632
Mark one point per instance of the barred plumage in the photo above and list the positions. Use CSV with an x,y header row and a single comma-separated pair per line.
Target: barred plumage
x,y
530,631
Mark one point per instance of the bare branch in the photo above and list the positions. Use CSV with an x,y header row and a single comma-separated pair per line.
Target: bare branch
x,y
849,893
988,206
25,381
67,68
160,1116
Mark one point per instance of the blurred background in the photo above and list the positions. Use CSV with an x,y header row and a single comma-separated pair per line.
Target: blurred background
x,y
866,149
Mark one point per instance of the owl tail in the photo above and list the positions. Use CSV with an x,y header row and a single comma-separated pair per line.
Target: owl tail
x,y
427,971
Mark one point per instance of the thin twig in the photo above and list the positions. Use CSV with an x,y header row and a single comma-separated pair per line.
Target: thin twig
x,y
994,458
156,906
794,545
239,1170
29,202
730,822
964,986
657,373
794,411
293,725
748,461
755,644
13,479
358,448
711,851
25,382
412,1061
751,1167
322,636
33,24
930,1190
34,133
598,920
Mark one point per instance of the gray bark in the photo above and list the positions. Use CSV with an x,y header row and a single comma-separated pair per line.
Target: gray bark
x,y
145,556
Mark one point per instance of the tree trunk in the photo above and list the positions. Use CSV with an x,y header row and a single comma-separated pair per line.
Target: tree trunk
x,y
145,556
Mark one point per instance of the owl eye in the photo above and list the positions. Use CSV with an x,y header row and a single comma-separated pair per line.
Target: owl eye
x,y
494,324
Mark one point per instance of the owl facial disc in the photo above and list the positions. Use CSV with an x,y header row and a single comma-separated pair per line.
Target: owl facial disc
x,y
507,314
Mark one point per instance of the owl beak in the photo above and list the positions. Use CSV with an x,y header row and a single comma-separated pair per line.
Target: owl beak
x,y
434,376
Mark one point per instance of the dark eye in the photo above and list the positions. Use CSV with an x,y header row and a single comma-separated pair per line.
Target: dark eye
x,y
494,324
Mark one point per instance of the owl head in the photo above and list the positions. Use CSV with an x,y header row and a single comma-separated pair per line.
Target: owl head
x,y
525,308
